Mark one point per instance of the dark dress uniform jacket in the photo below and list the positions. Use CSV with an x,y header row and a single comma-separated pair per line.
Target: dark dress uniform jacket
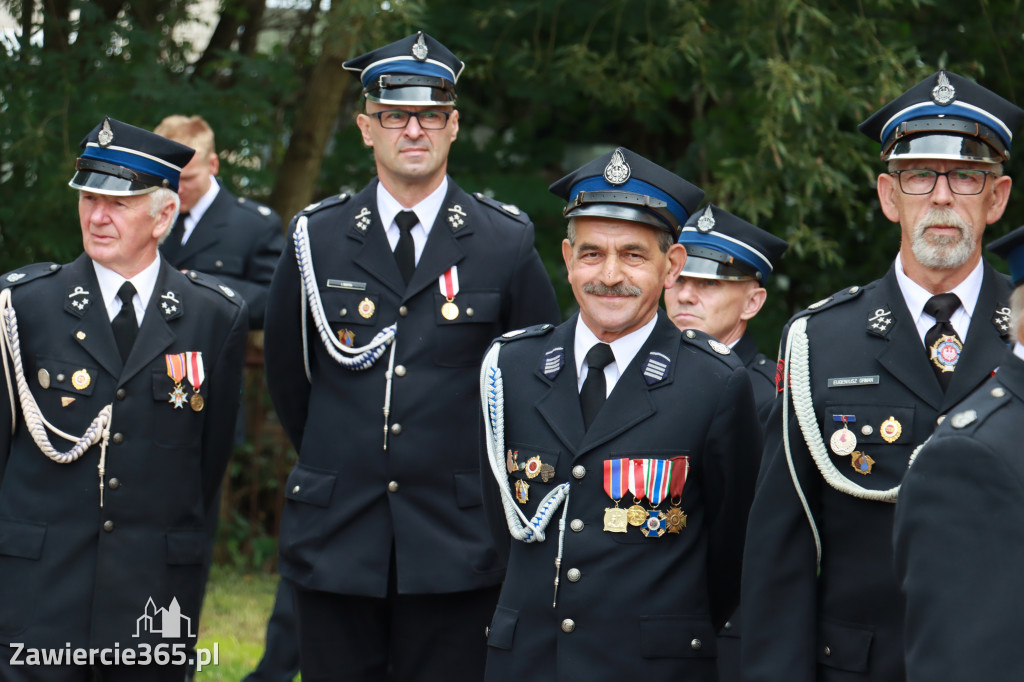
x,y
239,242
761,371
762,378
643,608
348,501
959,539
69,570
847,622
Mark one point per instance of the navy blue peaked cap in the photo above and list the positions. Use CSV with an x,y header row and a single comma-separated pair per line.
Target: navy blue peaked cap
x,y
416,71
720,245
1011,248
945,116
122,160
624,185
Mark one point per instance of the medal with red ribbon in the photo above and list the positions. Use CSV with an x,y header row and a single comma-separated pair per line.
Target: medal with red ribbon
x,y
675,519
449,284
196,376
616,482
176,371
637,515
657,474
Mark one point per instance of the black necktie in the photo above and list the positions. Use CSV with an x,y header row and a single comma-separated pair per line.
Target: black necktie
x,y
592,394
943,353
172,244
405,250
125,324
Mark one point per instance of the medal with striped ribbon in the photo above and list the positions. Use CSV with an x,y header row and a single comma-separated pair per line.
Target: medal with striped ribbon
x,y
616,482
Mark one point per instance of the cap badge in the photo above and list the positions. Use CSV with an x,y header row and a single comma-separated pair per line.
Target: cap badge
x,y
706,223
617,171
944,92
106,135
419,48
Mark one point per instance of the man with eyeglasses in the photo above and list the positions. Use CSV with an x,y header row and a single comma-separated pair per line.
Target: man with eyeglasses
x,y
379,314
865,375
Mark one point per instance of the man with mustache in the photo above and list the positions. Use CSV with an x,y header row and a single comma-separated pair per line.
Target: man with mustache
x,y
642,442
722,287
379,314
865,375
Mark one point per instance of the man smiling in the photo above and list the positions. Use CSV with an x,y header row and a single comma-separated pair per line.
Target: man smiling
x,y
642,440
866,374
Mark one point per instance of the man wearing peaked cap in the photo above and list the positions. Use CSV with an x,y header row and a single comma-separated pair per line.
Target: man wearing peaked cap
x,y
959,520
620,454
722,286
865,375
397,291
128,376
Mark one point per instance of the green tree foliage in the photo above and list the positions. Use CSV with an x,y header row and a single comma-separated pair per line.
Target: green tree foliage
x,y
757,101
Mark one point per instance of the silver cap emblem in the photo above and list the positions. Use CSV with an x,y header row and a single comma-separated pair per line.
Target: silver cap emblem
x,y
617,171
419,48
706,222
944,92
106,135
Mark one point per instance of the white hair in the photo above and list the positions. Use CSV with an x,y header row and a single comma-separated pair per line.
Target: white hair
x,y
159,198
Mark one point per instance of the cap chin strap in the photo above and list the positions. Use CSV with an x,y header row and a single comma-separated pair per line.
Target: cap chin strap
x,y
37,425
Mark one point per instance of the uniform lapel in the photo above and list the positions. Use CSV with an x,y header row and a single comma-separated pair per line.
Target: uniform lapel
x,y
155,336
442,249
902,353
93,332
559,406
1011,373
630,401
374,255
983,345
207,230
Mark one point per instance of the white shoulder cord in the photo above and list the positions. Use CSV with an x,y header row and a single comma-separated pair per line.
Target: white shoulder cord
x,y
798,350
37,425
361,358
492,395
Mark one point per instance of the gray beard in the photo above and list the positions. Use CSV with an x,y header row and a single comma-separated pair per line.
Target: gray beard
x,y
942,253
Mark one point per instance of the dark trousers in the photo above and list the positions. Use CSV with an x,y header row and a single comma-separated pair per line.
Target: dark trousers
x,y
85,673
401,638
280,661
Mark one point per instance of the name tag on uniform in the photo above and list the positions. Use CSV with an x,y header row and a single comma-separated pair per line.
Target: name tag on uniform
x,y
841,382
345,284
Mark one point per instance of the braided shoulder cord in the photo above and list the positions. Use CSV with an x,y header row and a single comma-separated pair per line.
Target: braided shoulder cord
x,y
493,397
363,357
37,425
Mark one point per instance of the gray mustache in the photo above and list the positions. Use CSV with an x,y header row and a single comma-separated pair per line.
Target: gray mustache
x,y
599,289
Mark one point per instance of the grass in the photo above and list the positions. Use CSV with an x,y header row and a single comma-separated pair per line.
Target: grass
x,y
234,618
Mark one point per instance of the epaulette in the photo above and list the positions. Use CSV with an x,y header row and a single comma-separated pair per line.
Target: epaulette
x,y
27,274
211,282
333,200
838,298
763,365
711,346
507,209
973,413
255,207
517,334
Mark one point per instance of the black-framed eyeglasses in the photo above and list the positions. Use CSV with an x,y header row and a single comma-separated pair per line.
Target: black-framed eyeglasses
x,y
961,180
397,118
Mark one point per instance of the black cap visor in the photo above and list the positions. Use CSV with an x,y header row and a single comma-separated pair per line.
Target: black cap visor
x,y
945,138
409,90
705,263
637,208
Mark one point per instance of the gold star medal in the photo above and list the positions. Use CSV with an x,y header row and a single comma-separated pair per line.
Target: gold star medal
x,y
176,371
